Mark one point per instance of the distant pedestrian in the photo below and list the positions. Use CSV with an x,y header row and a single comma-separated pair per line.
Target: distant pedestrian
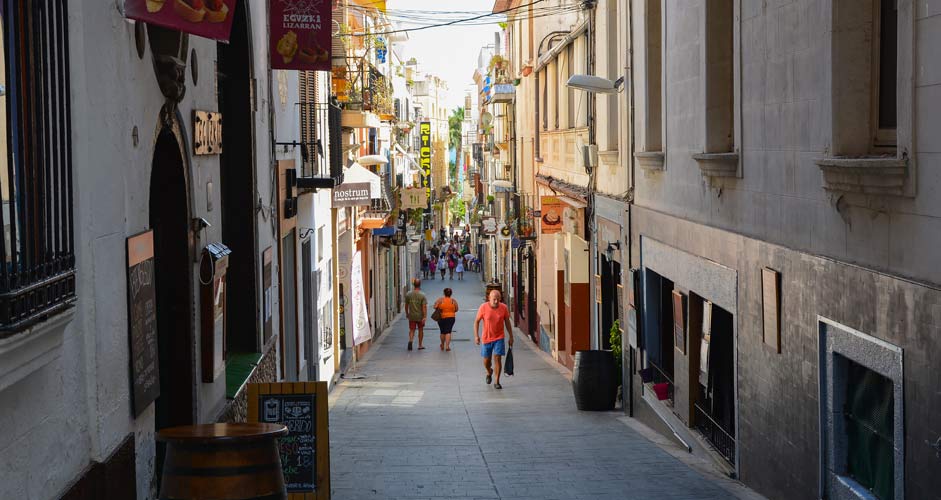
x,y
424,267
448,310
452,263
432,263
459,269
416,309
495,317
443,265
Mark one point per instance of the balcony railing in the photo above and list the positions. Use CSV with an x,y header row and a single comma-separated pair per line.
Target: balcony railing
x,y
658,376
359,86
721,440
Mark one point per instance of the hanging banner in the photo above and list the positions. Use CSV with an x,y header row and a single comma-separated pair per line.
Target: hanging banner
x,y
424,156
552,210
361,330
206,18
300,34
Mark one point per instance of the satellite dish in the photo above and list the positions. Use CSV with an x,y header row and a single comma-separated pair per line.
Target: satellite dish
x,y
486,119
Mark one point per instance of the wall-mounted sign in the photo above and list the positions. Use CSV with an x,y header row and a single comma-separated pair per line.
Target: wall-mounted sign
x,y
551,214
424,156
207,133
305,451
413,197
206,18
771,308
142,321
301,35
352,194
488,225
504,232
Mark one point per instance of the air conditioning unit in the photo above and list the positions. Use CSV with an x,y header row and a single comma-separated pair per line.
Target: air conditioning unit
x,y
588,155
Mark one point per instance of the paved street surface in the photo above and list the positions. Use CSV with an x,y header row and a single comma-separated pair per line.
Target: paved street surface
x,y
424,425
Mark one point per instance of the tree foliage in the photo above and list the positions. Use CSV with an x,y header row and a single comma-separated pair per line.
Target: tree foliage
x,y
455,126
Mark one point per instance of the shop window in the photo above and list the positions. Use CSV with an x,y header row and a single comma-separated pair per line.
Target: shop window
x,y
863,441
37,278
868,421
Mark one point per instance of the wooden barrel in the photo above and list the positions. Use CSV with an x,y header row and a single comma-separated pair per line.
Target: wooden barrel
x,y
223,461
594,381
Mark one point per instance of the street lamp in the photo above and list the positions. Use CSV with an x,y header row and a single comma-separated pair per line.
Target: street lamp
x,y
596,84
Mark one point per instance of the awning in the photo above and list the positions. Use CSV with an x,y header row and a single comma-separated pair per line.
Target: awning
x,y
359,173
372,223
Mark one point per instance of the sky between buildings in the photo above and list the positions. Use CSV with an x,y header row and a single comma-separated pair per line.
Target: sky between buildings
x,y
448,52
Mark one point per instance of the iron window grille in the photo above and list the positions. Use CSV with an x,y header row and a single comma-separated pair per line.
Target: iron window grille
x,y
720,439
37,278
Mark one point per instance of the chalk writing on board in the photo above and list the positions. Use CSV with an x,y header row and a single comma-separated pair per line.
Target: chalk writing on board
x,y
298,449
142,321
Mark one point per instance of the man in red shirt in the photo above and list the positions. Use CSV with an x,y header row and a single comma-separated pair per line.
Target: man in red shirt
x,y
495,316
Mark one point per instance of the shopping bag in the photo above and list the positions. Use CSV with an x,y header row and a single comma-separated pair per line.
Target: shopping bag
x,y
436,316
508,362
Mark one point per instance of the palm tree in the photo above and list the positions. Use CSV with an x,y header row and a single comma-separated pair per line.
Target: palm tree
x,y
455,138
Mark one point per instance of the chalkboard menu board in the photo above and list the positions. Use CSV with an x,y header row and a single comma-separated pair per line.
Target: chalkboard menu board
x,y
305,451
142,321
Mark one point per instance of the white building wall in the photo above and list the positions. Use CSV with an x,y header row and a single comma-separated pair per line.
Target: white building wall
x,y
72,405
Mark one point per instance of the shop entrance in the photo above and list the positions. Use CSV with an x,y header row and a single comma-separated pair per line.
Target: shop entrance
x,y
237,184
169,219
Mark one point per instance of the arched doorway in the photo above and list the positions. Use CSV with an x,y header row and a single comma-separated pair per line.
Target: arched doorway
x,y
237,183
169,219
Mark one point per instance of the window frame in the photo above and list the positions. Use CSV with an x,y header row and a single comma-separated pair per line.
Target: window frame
x,y
884,140
838,343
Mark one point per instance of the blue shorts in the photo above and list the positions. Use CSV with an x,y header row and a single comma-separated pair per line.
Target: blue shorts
x,y
497,347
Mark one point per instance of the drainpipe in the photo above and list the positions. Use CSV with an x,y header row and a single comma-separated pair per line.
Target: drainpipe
x,y
629,82
594,326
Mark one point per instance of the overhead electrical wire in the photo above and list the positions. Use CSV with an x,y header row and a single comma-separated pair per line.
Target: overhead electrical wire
x,y
480,19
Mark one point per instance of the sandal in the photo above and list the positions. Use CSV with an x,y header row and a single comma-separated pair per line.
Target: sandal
x,y
489,378
409,346
497,386
420,348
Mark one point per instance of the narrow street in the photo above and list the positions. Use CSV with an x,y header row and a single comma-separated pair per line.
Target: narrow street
x,y
423,424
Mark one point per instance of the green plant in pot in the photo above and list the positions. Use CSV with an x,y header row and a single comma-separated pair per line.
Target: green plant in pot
x,y
614,336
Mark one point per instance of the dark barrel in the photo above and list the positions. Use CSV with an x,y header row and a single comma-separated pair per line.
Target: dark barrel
x,y
223,461
594,380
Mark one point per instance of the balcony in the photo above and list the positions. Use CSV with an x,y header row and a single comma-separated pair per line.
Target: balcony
x,y
321,148
503,93
364,93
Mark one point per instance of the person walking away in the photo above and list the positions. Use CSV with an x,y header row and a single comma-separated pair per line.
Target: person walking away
x,y
447,307
443,265
416,308
424,267
459,269
431,266
496,319
452,263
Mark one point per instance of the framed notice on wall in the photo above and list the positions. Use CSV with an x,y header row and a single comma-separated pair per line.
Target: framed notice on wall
x,y
305,451
771,308
142,321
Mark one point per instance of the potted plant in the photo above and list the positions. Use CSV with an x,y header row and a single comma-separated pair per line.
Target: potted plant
x,y
597,375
